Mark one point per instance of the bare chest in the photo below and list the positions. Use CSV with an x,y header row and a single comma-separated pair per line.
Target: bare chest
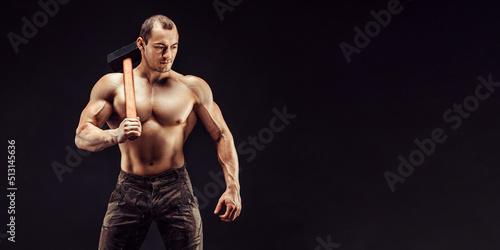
x,y
169,104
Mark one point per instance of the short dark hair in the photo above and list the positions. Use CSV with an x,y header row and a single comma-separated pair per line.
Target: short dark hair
x,y
161,20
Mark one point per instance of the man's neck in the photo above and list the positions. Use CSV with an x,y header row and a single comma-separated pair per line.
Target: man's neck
x,y
151,75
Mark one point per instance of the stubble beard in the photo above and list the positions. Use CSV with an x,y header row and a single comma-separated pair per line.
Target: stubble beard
x,y
165,69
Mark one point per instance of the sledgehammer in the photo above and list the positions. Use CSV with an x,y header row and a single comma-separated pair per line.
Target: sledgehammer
x,y
124,58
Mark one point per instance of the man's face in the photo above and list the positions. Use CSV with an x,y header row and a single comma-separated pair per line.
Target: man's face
x,y
161,49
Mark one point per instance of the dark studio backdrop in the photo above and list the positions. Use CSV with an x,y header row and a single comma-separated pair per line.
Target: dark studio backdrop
x,y
359,124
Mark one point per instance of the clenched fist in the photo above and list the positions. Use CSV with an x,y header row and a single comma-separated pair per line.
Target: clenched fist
x,y
130,128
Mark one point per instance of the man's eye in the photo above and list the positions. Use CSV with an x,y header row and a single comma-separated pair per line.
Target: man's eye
x,y
174,47
159,47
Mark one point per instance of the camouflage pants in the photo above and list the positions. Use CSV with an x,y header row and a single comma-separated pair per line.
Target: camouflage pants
x,y
166,198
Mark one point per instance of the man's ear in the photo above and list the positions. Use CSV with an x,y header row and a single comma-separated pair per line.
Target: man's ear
x,y
140,43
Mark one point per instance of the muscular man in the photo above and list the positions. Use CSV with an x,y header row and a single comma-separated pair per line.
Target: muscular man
x,y
153,184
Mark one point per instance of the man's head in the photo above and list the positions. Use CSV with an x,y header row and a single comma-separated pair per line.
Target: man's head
x,y
158,42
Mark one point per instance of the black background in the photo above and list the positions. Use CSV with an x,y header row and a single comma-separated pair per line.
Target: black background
x,y
321,178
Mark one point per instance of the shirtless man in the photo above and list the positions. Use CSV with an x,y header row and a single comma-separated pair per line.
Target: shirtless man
x,y
153,184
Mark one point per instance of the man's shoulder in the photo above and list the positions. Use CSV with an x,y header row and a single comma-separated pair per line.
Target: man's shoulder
x,y
107,85
192,81
197,85
111,78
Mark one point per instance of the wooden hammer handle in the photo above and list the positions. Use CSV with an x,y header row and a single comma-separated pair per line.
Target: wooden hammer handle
x,y
128,81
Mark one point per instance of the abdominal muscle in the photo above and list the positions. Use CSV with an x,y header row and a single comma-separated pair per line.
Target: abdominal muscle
x,y
159,148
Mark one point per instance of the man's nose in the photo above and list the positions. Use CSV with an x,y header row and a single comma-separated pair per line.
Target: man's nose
x,y
167,53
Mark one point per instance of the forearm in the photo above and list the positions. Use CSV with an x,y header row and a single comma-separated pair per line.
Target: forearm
x,y
92,138
228,160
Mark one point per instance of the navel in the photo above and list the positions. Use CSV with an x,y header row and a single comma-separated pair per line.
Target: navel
x,y
150,164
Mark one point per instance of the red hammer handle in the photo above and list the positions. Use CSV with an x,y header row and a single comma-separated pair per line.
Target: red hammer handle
x,y
128,81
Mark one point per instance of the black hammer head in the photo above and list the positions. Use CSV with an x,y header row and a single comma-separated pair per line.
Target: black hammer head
x,y
115,59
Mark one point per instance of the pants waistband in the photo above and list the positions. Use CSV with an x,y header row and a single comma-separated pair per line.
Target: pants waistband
x,y
143,179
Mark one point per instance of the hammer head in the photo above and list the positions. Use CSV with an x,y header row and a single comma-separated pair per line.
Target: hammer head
x,y
115,59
